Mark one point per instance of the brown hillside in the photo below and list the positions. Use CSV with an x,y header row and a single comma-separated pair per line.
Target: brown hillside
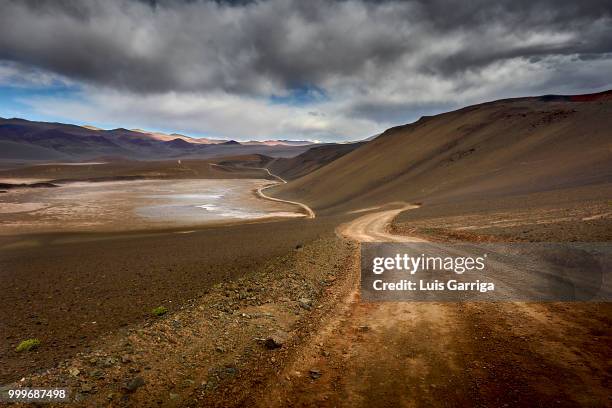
x,y
311,160
500,148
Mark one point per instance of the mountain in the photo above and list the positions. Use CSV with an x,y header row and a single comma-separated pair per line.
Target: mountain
x,y
371,138
311,160
180,144
27,141
280,142
168,137
494,149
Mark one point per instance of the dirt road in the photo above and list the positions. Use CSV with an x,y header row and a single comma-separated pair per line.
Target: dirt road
x,y
260,191
448,354
373,227
340,351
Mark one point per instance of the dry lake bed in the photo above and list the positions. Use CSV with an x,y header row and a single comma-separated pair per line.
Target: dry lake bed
x,y
136,204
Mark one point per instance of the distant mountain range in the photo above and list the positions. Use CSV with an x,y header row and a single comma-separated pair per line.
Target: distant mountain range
x,y
202,140
23,140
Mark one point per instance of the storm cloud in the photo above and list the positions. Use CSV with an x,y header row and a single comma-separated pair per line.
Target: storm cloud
x,y
374,63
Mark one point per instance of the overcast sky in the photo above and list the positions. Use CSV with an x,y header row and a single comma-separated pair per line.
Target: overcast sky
x,y
295,69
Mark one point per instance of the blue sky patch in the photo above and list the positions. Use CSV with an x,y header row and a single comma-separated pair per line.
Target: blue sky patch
x,y
301,96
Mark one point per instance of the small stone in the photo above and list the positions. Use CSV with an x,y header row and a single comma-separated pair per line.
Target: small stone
x,y
107,362
97,374
275,341
219,349
364,328
134,384
305,303
126,359
314,374
74,371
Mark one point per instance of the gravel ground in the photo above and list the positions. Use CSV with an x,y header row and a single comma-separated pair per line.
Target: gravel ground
x,y
581,214
69,289
239,332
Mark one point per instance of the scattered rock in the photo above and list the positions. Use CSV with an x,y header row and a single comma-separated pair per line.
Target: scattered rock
x,y
305,303
275,341
126,358
86,388
107,362
363,328
219,349
314,373
134,384
97,374
74,371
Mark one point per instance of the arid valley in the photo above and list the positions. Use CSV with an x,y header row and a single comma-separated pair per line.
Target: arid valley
x,y
263,303
323,203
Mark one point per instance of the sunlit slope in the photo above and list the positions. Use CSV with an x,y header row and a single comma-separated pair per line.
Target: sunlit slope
x,y
493,149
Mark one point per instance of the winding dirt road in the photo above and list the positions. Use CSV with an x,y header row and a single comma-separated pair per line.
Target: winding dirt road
x,y
391,354
373,227
260,191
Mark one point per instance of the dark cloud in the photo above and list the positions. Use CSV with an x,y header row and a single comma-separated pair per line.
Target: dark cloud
x,y
383,112
332,70
269,46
